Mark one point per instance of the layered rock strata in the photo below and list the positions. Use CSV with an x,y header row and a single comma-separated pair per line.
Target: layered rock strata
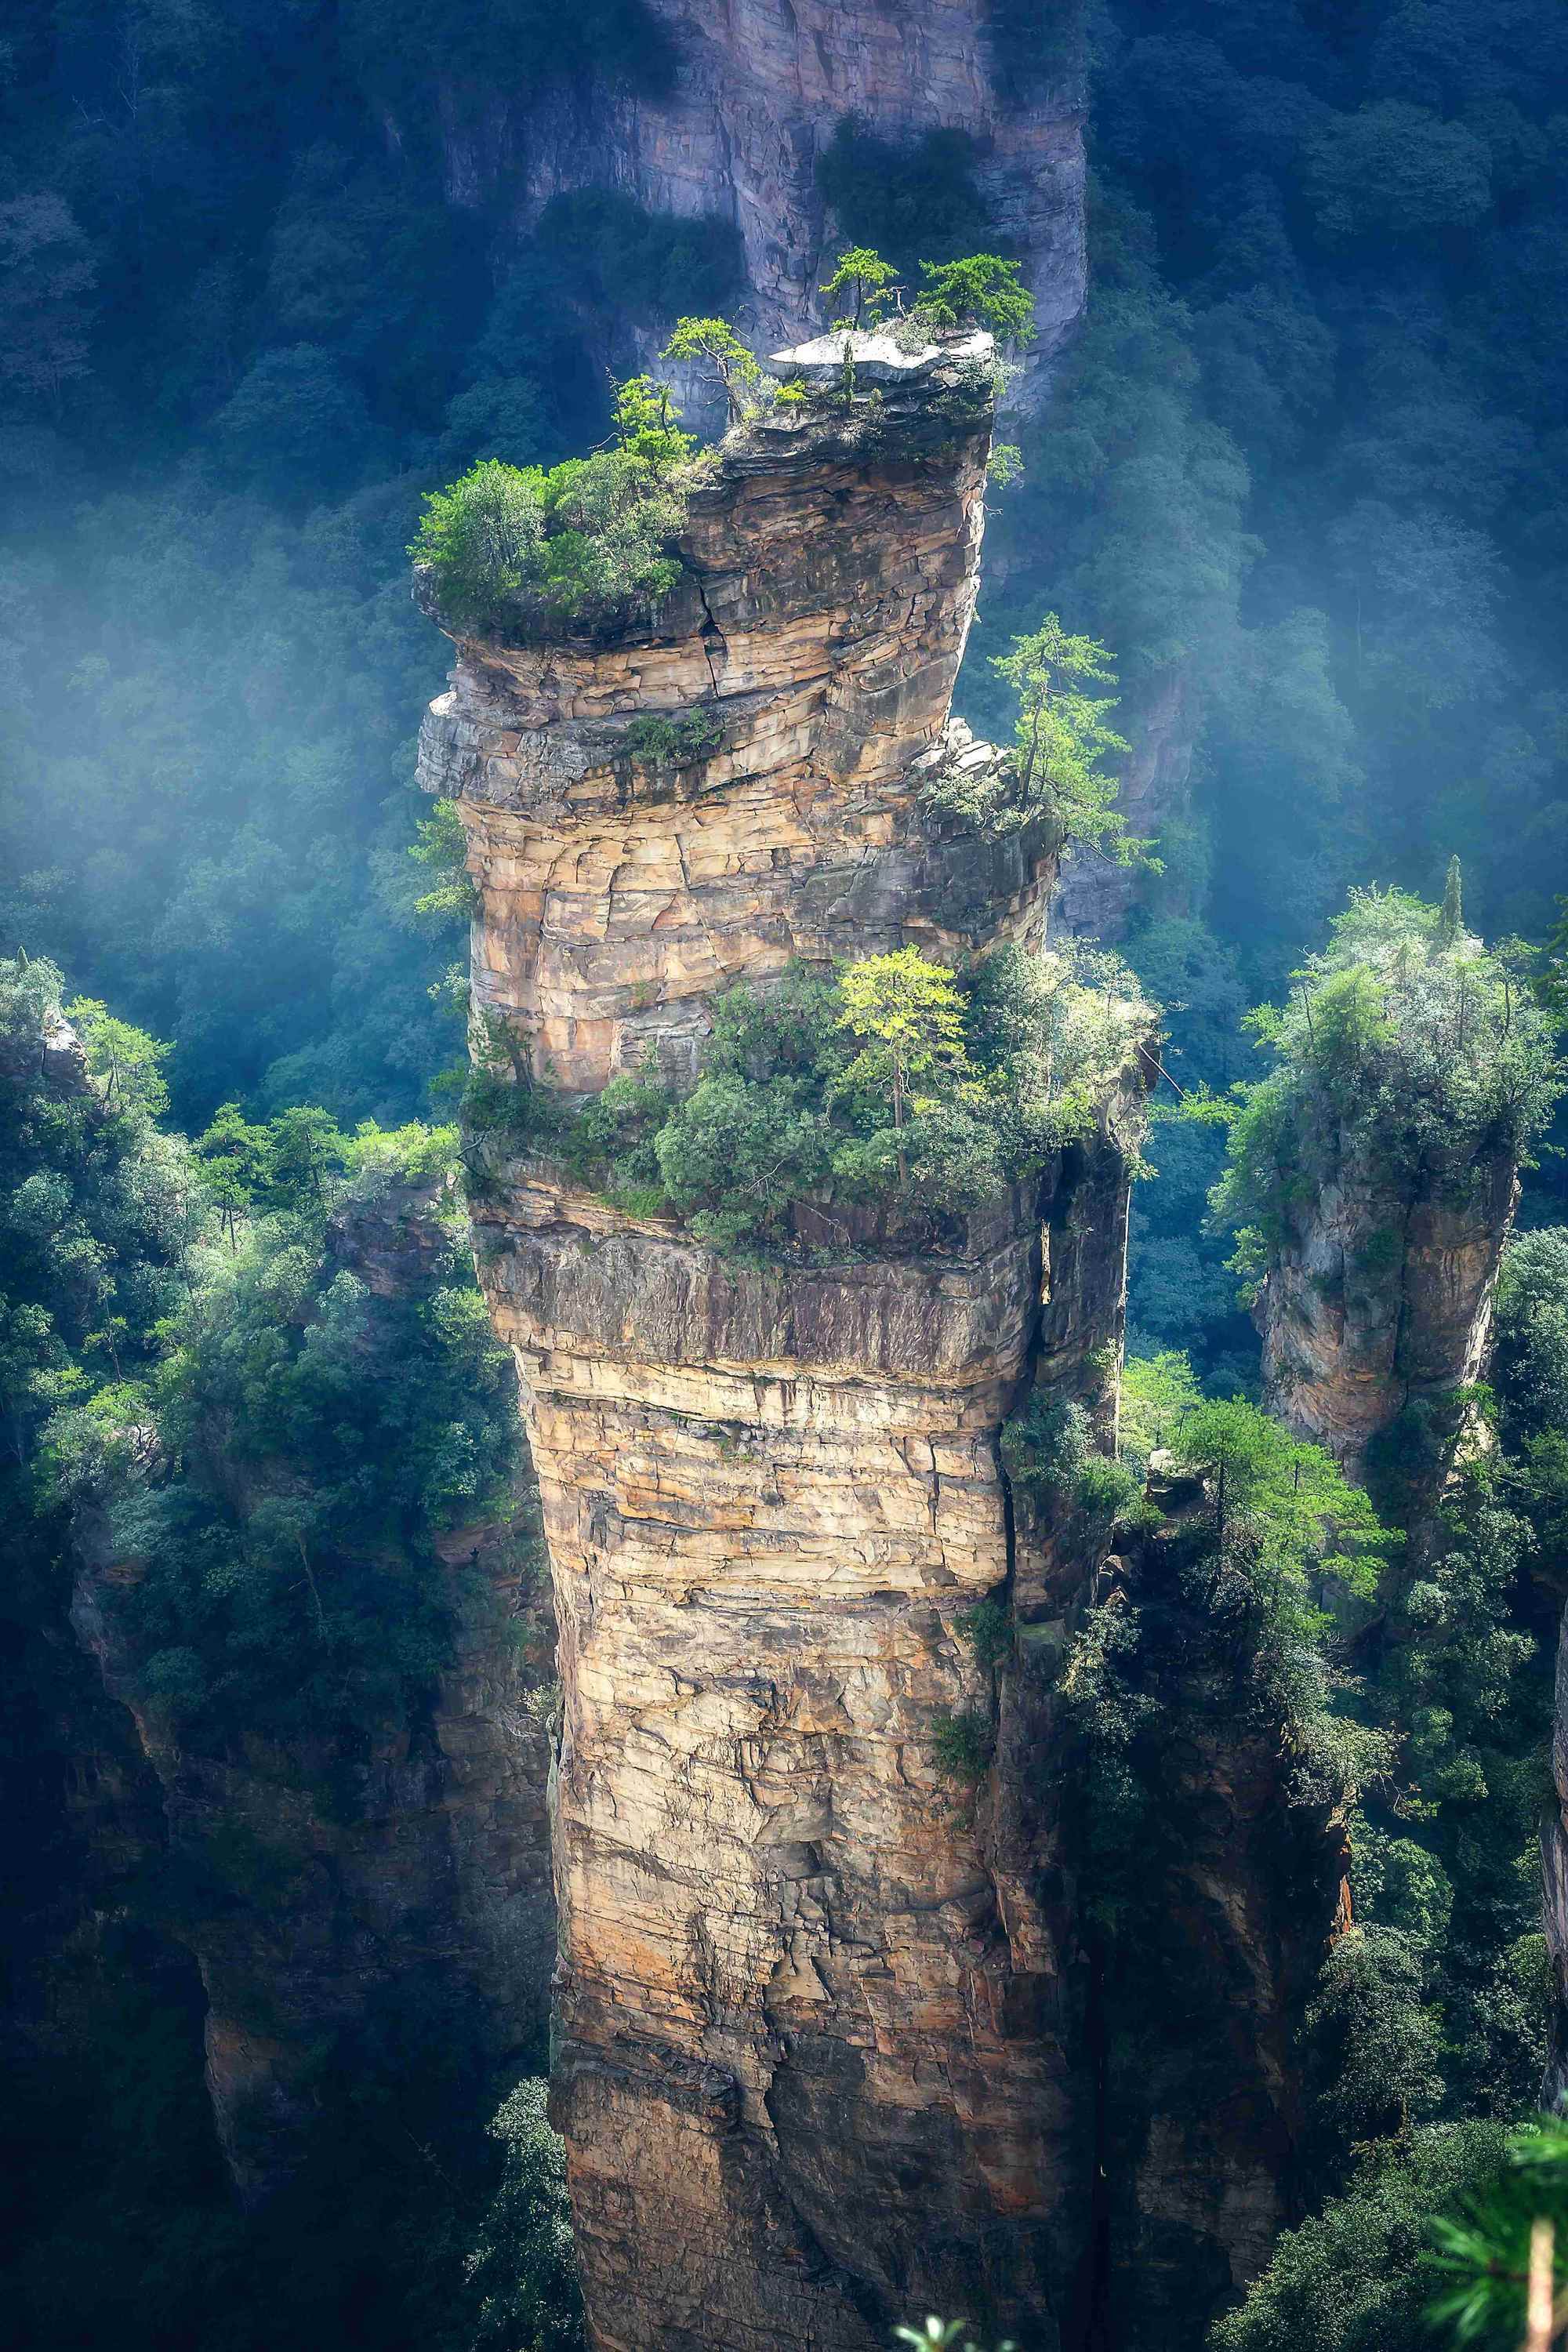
x,y
814,2061
428,1858
757,89
828,588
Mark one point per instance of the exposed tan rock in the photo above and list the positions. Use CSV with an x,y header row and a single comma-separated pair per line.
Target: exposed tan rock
x,y
813,2063
831,2024
802,2076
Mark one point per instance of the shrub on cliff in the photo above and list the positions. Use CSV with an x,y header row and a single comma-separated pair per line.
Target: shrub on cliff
x,y
981,289
97,1215
1049,1454
583,545
1353,2279
521,2274
1406,1056
1062,742
892,1078
712,344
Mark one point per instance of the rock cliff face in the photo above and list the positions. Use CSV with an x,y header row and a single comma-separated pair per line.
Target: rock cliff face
x,y
811,2038
758,89
1378,1304
320,1894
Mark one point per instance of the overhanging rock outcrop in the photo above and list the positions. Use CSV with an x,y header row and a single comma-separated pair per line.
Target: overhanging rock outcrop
x,y
813,2048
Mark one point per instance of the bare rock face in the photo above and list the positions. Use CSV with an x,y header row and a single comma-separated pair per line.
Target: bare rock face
x,y
1379,1304
759,88
812,2061
829,584
432,1856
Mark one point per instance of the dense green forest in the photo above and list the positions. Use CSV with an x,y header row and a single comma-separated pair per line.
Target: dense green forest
x,y
1305,468
299,1415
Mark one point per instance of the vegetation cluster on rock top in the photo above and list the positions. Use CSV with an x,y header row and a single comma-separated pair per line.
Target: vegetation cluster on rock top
x,y
1407,1055
589,545
893,1080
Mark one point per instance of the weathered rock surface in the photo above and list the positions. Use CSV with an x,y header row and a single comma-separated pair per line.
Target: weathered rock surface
x,y
807,2081
327,1886
1379,1302
803,2078
829,585
759,88
833,2027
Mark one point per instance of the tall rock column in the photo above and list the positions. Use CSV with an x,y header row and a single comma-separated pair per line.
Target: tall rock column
x,y
1379,1300
813,2065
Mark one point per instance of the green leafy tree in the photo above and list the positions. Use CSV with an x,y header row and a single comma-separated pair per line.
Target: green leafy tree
x,y
305,1147
481,538
1062,743
863,280
646,424
1062,737
442,847
129,1063
296,427
713,344
522,2270
909,1016
234,1161
1404,1047
1158,1393
1354,2276
585,544
1451,917
980,290
943,2335
1502,2253
1258,1472
1392,167
314,1437
798,1103
755,1147
1377,2039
